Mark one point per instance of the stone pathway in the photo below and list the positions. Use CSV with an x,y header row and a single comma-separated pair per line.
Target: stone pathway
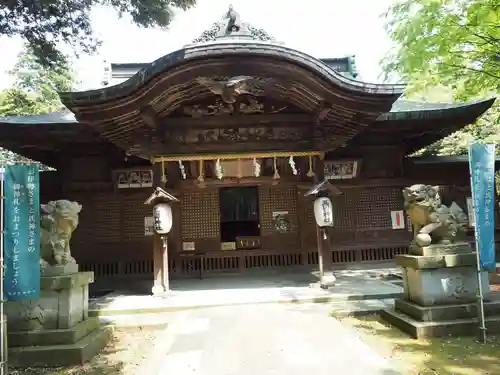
x,y
262,339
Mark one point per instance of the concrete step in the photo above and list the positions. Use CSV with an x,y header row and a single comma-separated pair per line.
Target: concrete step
x,y
456,327
360,307
61,355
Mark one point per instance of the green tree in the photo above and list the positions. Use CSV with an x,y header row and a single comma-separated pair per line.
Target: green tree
x,y
450,44
34,93
455,43
35,89
44,24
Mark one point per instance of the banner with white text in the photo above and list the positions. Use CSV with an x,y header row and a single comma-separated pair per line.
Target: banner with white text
x,y
482,169
22,232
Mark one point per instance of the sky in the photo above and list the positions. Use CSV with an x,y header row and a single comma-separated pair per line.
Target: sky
x,y
322,29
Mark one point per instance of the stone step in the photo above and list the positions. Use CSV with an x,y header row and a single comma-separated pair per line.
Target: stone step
x,y
420,330
61,355
137,321
447,312
53,336
360,308
129,308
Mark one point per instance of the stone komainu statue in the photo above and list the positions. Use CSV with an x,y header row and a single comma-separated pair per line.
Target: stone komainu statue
x,y
58,220
433,222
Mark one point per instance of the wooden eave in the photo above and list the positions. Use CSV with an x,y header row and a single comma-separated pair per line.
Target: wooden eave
x,y
125,114
45,138
417,129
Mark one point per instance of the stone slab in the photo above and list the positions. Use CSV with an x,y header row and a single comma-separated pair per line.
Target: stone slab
x,y
242,292
421,330
61,355
446,312
438,250
429,286
66,281
360,308
54,337
59,270
437,261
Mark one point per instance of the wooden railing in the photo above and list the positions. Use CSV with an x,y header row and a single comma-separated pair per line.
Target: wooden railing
x,y
236,262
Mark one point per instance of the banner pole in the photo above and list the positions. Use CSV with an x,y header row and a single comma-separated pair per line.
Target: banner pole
x,y
3,327
480,305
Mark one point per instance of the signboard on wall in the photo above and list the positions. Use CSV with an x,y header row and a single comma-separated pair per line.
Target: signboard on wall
x,y
149,223
339,170
398,219
133,178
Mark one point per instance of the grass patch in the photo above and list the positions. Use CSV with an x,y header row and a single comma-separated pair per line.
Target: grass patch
x,y
123,355
437,356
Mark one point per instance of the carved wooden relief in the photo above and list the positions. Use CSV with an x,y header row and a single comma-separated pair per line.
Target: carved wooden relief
x,y
247,106
236,134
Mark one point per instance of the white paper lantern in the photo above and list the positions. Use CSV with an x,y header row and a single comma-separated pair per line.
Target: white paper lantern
x,y
162,214
323,212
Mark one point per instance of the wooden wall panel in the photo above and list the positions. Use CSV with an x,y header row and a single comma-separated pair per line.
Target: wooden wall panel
x,y
278,199
200,219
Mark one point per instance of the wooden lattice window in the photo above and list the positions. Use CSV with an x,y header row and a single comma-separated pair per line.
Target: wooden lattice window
x,y
200,215
273,199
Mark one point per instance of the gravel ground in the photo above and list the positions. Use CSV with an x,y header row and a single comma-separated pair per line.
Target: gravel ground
x,y
122,356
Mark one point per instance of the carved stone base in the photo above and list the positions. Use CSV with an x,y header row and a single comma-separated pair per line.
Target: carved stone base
x,y
63,303
57,323
444,279
440,294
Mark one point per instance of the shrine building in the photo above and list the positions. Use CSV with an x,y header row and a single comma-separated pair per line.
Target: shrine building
x,y
238,129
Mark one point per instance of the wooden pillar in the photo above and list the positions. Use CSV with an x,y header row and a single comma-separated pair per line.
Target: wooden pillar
x,y
158,272
325,261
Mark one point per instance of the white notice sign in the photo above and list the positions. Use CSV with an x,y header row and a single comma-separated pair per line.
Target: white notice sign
x,y
149,223
398,220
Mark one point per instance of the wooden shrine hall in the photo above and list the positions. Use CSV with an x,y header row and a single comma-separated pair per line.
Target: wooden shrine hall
x,y
238,129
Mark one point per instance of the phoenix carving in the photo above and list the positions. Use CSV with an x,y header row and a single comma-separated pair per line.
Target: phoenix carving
x,y
230,89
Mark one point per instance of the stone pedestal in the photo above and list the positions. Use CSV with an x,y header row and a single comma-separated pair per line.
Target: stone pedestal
x,y
440,293
55,329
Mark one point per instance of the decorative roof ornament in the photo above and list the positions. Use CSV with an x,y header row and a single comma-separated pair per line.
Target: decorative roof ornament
x,y
231,23
231,26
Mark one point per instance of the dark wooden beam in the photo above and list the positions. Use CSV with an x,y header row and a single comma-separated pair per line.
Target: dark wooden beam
x,y
323,111
229,121
149,116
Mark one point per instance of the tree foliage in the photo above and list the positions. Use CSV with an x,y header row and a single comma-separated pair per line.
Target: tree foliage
x,y
34,93
210,34
451,44
35,89
44,25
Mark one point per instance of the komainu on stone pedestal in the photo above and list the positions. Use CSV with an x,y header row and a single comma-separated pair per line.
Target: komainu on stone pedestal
x,y
55,329
58,221
440,272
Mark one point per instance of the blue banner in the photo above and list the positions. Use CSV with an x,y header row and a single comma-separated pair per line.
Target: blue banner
x,y
22,232
482,170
